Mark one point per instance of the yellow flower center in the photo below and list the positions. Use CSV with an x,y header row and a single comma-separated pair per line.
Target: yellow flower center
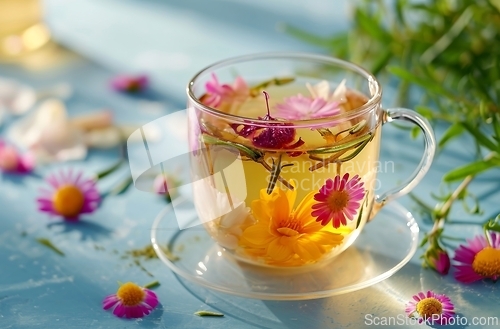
x,y
487,262
68,201
130,294
338,200
429,306
289,227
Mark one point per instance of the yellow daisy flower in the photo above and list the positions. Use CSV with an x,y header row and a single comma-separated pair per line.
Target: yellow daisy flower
x,y
285,236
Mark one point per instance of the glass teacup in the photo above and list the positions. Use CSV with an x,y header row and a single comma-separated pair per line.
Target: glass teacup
x,y
284,154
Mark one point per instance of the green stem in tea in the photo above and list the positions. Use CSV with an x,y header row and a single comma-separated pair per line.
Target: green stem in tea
x,y
251,153
334,149
336,157
279,178
327,161
275,173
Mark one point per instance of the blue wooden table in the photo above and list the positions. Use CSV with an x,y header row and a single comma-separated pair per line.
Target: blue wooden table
x,y
171,40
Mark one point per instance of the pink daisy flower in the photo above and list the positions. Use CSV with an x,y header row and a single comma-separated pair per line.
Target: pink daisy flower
x,y
223,93
337,200
14,162
430,307
69,195
302,108
129,83
131,301
479,259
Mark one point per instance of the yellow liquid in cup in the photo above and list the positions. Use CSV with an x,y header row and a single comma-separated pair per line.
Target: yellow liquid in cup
x,y
231,233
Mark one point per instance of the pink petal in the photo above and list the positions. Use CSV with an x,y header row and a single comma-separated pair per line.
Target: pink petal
x,y
120,310
151,299
110,301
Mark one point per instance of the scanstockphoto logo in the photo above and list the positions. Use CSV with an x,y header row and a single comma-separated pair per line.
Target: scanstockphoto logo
x,y
165,149
216,187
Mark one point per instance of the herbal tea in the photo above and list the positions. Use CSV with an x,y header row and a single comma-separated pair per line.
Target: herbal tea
x,y
307,187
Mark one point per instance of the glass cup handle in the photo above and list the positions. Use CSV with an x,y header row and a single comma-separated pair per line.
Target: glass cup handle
x,y
390,115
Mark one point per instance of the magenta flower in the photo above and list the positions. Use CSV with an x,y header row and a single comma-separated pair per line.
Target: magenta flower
x,y
479,259
276,134
337,200
302,108
217,94
69,195
430,307
13,162
130,83
131,301
438,260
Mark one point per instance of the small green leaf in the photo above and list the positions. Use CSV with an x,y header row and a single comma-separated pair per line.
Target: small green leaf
x,y
370,25
208,313
473,168
152,285
108,171
420,202
47,243
493,224
359,217
424,241
122,187
480,137
306,36
415,132
425,83
453,131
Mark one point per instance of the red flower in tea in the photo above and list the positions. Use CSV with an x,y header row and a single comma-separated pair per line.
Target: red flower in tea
x,y
275,135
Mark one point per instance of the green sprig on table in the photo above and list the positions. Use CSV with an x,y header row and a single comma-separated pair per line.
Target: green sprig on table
x,y
446,51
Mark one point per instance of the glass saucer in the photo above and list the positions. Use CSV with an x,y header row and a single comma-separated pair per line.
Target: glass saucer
x,y
384,246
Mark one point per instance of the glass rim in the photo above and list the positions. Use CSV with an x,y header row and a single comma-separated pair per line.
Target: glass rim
x,y
372,80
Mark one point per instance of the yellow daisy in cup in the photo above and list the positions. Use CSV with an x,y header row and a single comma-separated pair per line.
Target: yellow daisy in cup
x,y
284,235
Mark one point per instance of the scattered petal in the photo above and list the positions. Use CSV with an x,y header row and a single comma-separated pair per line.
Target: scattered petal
x,y
130,83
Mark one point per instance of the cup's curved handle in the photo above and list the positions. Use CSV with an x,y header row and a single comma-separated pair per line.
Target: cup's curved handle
x,y
425,163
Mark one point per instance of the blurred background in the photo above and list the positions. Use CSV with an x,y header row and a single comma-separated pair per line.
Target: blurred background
x,y
168,39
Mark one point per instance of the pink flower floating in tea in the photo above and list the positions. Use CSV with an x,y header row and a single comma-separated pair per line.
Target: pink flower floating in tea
x,y
223,93
12,161
285,235
478,260
274,135
302,108
131,301
321,104
69,195
338,200
430,307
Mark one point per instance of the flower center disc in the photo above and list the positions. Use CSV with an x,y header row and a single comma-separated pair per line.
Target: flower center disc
x,y
68,201
428,307
487,262
338,200
130,294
